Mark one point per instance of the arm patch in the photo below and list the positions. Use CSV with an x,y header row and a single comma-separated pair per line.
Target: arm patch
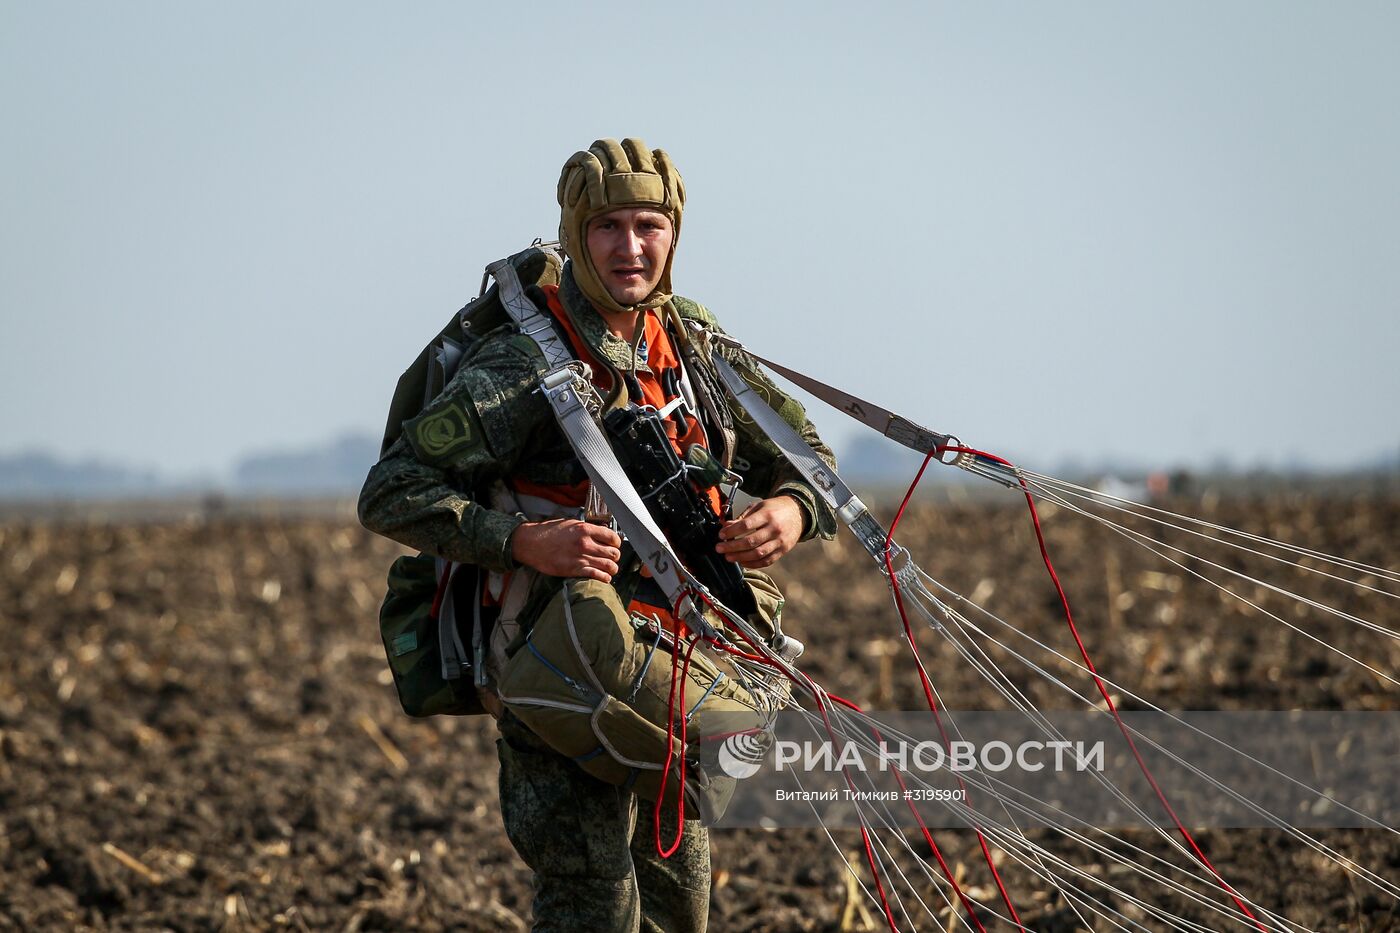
x,y
444,433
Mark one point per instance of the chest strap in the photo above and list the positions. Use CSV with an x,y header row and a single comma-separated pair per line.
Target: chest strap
x,y
569,392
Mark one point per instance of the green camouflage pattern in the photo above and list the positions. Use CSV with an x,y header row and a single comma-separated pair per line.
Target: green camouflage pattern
x,y
421,495
482,316
592,852
410,636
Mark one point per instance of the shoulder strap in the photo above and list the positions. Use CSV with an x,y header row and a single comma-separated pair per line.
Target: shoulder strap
x,y
570,394
821,477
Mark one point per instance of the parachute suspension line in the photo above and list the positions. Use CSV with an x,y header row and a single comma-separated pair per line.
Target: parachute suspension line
x,y
989,466
1003,685
1013,839
663,850
1021,702
1147,543
848,507
823,699
1035,851
927,685
1061,497
1010,840
1134,507
1098,681
928,836
1148,874
850,868
1332,855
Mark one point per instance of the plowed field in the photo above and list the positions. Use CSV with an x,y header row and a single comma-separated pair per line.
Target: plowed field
x,y
197,731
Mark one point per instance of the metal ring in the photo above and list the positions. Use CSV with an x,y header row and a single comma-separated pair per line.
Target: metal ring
x,y
953,441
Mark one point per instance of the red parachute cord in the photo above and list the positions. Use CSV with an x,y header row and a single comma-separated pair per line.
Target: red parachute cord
x,y
928,686
1103,690
918,818
865,833
440,592
663,850
818,694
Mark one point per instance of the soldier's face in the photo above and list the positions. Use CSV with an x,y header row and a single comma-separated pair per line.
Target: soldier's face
x,y
629,247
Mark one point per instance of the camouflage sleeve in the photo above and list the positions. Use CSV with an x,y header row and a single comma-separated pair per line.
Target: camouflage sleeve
x,y
769,473
421,491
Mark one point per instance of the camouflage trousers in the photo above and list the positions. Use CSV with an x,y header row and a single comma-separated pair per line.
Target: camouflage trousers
x,y
593,855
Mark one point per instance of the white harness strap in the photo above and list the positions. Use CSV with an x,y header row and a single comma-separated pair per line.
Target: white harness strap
x,y
557,352
568,392
823,478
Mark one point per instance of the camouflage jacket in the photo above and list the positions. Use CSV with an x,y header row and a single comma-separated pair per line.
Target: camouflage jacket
x,y
490,423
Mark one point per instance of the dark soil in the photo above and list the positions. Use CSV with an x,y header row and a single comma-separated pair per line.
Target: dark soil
x,y
197,730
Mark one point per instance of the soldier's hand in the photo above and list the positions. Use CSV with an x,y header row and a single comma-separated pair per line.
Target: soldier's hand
x,y
567,547
765,531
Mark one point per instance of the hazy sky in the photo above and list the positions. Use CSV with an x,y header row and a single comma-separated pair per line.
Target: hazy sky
x,y
1161,231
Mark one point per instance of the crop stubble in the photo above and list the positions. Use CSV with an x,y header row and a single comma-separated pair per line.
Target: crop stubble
x,y
196,730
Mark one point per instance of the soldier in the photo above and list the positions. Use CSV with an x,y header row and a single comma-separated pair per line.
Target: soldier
x,y
484,476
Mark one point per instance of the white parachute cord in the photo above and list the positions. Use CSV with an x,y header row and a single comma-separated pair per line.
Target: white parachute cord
x,y
834,709
998,796
1318,846
861,739
1048,728
824,701
1145,541
1028,709
1038,869
1170,839
1088,701
850,868
1117,506
1008,838
838,715
1162,914
1016,832
953,723
927,679
862,736
858,735
1020,840
1053,496
1391,575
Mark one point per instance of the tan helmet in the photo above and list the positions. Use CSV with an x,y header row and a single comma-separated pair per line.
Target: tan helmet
x,y
606,176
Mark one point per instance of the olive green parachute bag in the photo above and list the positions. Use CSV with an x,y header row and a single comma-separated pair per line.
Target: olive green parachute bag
x,y
409,624
419,623
595,683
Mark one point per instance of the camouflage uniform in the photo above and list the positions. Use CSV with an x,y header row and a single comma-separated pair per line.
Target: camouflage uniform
x,y
594,869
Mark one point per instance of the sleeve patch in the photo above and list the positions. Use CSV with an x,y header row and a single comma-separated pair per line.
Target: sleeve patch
x,y
443,432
